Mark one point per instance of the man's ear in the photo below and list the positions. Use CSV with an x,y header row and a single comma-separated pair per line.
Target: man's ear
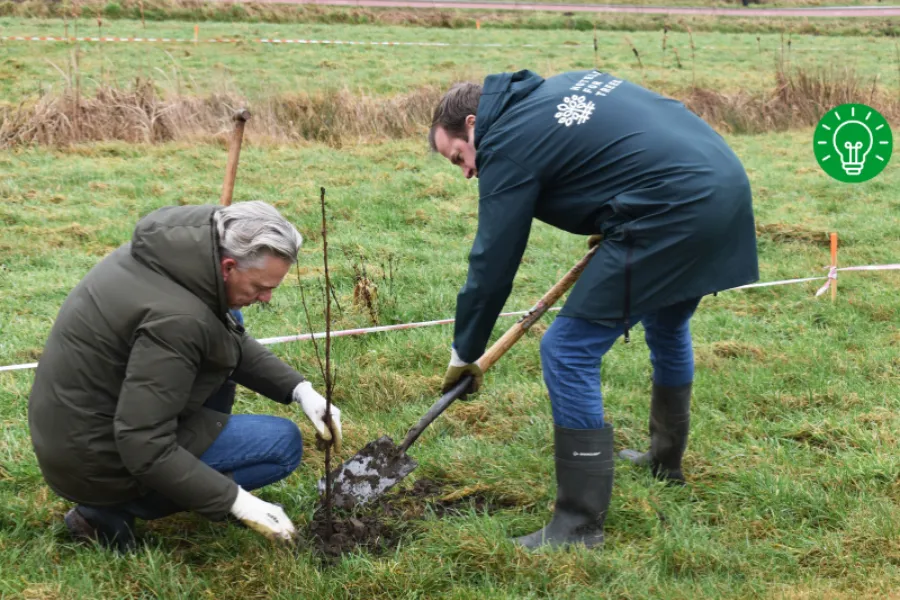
x,y
470,121
228,265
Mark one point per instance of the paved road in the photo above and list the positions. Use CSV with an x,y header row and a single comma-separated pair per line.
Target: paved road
x,y
837,11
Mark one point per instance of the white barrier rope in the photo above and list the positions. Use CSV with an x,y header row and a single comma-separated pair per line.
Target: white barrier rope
x,y
831,277
50,38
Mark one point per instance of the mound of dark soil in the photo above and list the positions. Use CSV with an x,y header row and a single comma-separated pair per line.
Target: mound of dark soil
x,y
379,526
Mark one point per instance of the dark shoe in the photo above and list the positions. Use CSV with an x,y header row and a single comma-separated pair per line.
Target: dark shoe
x,y
584,479
113,529
670,422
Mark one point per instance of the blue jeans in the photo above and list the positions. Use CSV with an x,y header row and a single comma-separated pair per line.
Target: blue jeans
x,y
572,350
256,450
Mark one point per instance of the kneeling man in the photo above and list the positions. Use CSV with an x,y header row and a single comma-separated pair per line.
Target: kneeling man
x,y
130,411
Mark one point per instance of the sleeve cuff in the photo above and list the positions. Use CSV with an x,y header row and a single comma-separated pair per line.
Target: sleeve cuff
x,y
455,360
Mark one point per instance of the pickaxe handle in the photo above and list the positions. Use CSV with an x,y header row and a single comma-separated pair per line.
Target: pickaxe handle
x,y
234,152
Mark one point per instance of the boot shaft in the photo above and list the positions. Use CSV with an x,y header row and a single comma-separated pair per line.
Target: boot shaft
x,y
584,470
670,422
584,478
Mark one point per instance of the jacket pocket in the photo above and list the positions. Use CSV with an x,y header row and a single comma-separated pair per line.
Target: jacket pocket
x,y
197,433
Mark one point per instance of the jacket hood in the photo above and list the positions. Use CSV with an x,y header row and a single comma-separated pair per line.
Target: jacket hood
x,y
499,92
181,243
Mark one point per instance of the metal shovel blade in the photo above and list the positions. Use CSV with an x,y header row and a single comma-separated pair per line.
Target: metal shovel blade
x,y
381,464
374,470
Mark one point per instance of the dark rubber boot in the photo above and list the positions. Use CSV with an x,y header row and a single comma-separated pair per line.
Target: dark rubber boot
x,y
113,529
670,421
584,479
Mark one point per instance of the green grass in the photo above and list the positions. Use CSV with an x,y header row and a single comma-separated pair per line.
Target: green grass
x,y
792,459
722,61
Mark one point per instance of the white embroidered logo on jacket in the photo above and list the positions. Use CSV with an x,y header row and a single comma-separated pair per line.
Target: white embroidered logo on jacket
x,y
574,109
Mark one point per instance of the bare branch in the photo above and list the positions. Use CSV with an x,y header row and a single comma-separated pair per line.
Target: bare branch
x,y
309,324
329,383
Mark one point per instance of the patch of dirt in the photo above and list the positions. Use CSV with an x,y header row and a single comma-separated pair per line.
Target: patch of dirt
x,y
379,526
737,350
817,437
779,232
27,354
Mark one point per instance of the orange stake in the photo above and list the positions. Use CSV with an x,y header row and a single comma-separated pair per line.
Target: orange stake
x,y
834,247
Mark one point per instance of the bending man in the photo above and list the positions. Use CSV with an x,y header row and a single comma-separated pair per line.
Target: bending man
x,y
595,155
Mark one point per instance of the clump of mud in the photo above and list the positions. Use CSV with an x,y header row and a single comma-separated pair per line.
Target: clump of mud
x,y
349,533
378,527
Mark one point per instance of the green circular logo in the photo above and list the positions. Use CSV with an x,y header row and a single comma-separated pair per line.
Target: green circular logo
x,y
853,143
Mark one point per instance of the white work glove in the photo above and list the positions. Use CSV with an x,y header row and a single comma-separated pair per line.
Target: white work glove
x,y
457,369
313,405
268,519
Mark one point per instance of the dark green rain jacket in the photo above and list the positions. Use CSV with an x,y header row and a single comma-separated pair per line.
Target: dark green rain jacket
x,y
116,409
590,153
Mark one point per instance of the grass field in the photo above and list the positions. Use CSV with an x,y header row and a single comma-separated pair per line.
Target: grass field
x,y
724,62
792,462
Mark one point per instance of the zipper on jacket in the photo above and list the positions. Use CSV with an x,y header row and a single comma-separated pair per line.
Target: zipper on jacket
x,y
626,309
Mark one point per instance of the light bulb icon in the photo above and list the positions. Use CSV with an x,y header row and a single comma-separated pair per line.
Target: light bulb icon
x,y
853,143
853,140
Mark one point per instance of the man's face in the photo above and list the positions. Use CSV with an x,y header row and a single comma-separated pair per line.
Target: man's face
x,y
458,151
244,287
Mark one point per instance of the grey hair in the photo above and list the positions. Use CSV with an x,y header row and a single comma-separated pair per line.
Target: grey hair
x,y
250,231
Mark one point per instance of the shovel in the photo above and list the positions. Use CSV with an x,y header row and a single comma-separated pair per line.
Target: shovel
x,y
381,464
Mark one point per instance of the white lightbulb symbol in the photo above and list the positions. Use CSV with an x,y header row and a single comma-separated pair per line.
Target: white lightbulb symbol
x,y
853,141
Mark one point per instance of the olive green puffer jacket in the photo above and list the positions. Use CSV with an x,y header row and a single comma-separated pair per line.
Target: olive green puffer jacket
x,y
116,409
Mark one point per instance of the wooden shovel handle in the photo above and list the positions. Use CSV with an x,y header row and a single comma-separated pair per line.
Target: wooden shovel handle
x,y
520,327
234,152
499,348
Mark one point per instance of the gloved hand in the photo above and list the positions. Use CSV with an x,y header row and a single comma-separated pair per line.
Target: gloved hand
x,y
268,519
595,240
313,405
457,369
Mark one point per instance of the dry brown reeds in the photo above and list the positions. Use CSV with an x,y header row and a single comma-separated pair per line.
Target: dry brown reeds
x,y
140,113
799,99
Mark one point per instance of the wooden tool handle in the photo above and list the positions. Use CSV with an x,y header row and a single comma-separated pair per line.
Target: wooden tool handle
x,y
499,348
512,335
234,151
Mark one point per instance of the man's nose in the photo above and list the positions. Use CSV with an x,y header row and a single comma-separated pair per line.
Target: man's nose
x,y
468,172
265,297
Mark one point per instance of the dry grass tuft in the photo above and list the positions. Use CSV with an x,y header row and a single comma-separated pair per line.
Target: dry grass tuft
x,y
737,350
779,232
